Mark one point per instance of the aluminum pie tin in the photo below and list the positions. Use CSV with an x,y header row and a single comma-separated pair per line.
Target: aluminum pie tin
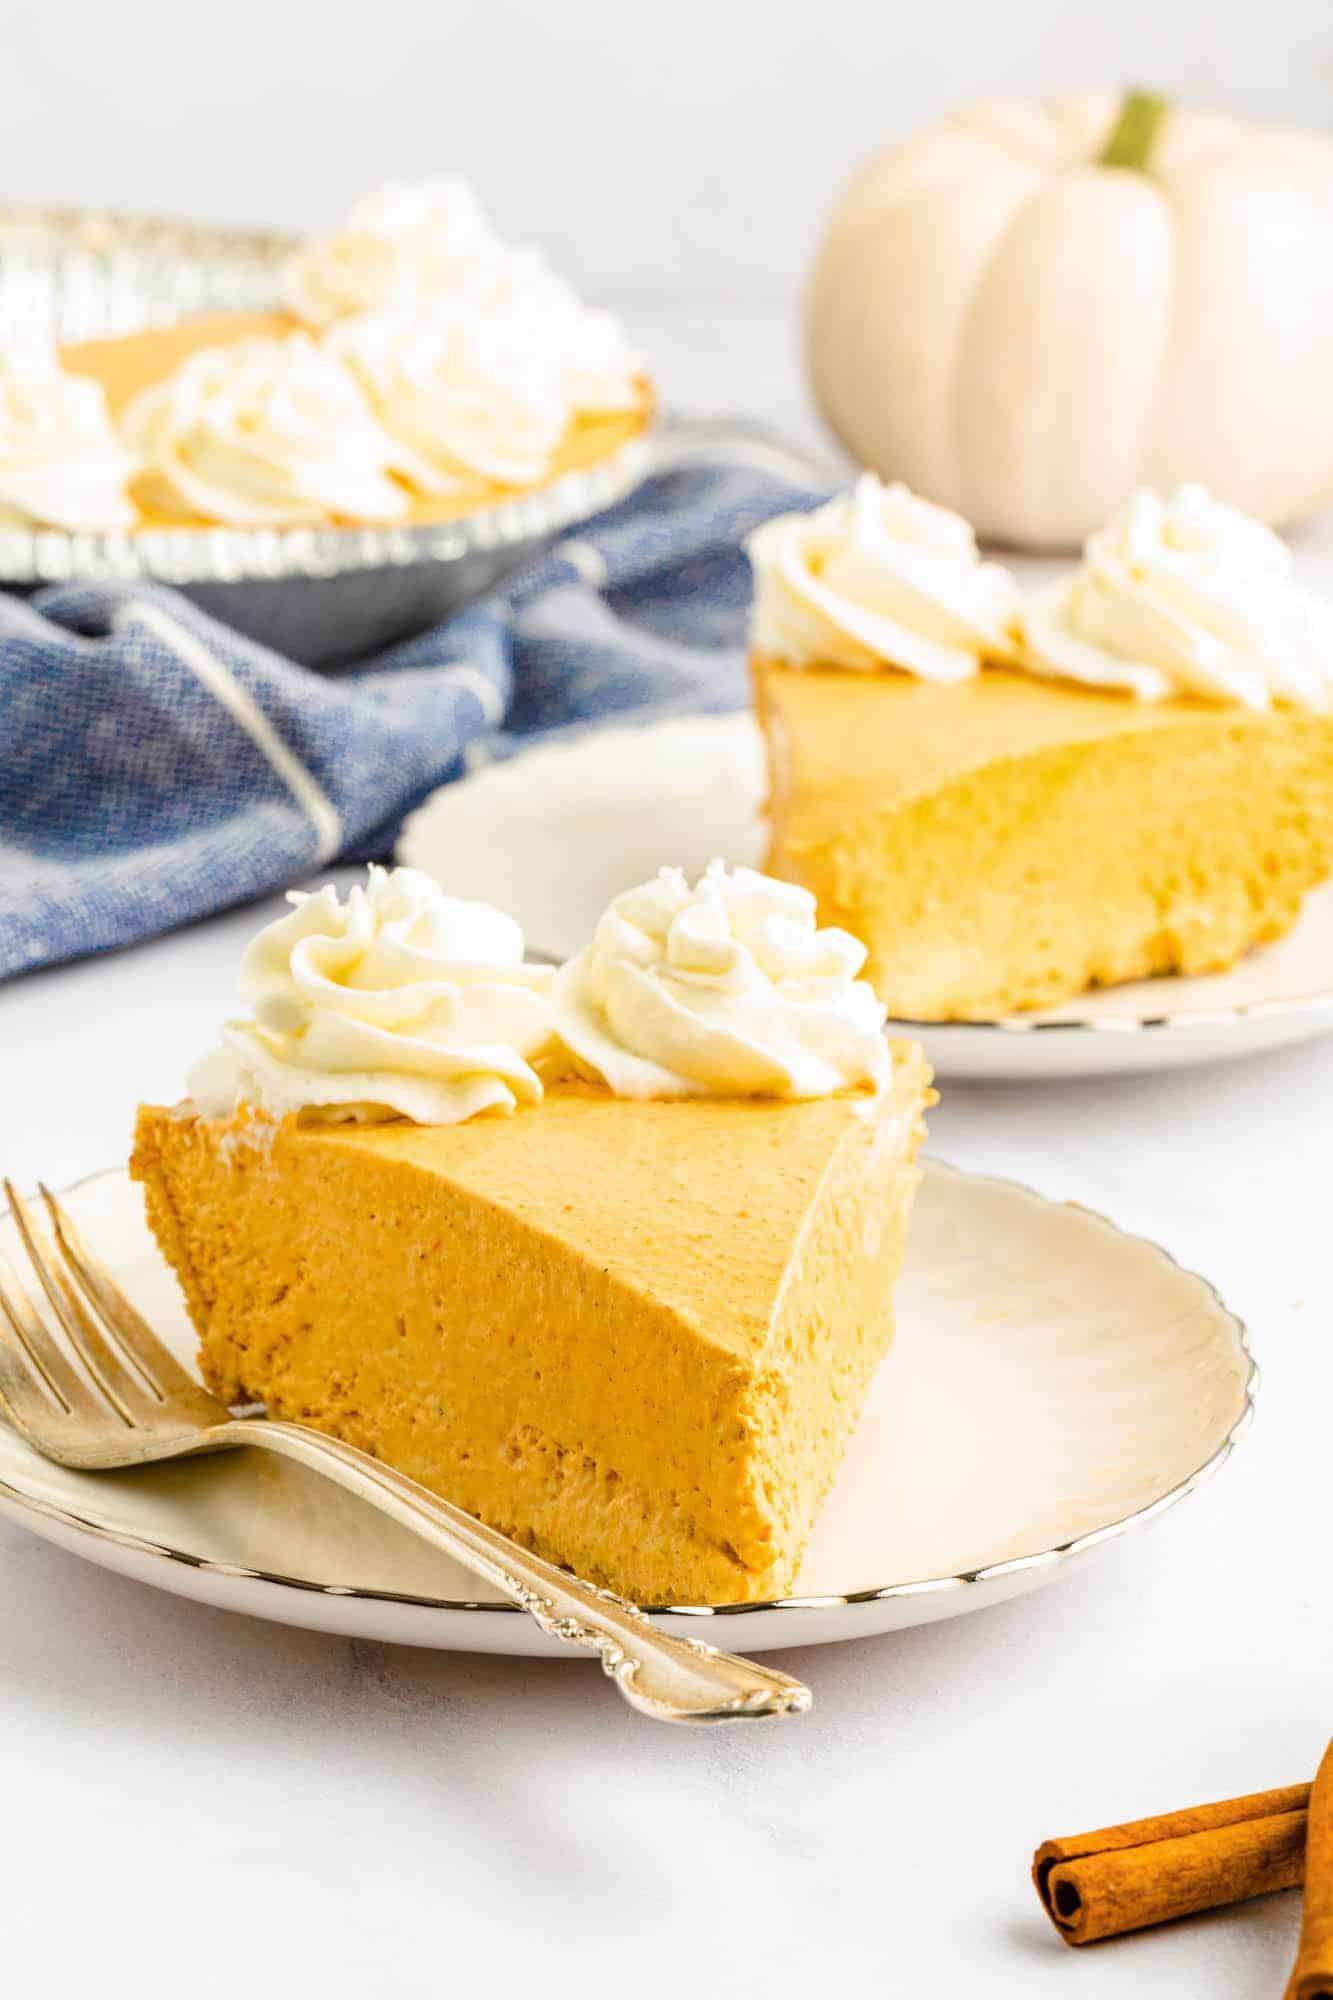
x,y
323,596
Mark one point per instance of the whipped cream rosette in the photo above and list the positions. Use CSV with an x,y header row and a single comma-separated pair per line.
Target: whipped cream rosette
x,y
723,989
597,368
61,463
400,1001
465,399
266,432
1184,596
878,578
421,250
397,245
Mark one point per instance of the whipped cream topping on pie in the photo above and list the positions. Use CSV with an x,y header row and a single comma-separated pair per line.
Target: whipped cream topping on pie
x,y
435,364
398,244
400,1002
464,398
61,464
266,431
596,365
879,578
723,989
416,249
1184,596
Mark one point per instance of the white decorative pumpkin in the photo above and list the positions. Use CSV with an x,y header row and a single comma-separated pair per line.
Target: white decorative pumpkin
x,y
1028,310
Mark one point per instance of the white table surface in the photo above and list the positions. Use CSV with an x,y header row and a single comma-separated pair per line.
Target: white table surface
x,y
282,1812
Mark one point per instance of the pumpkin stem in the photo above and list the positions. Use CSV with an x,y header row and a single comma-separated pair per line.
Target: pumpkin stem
x,y
1135,131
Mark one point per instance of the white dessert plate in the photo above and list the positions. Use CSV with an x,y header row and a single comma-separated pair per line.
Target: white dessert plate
x,y
1054,1383
552,835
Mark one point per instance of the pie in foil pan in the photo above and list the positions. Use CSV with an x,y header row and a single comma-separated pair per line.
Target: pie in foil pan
x,y
322,595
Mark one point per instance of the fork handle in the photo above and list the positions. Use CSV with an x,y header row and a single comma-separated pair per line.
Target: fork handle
x,y
670,1679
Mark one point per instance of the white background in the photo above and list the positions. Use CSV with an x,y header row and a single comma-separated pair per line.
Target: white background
x,y
681,146
195,1804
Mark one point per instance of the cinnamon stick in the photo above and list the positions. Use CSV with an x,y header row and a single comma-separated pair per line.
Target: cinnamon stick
x,y
1124,1878
1312,1974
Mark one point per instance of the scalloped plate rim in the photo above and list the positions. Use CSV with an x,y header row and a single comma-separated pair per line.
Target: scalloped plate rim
x,y
805,1619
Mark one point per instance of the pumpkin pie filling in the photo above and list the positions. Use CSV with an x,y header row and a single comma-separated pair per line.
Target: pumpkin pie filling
x,y
630,1323
1005,843
1004,836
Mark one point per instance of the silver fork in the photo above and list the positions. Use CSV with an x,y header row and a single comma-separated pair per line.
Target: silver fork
x,y
129,1402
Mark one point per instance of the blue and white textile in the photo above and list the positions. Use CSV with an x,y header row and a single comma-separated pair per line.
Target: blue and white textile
x,y
156,766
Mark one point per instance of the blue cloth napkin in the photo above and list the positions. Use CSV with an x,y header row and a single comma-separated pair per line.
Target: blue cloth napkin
x,y
156,766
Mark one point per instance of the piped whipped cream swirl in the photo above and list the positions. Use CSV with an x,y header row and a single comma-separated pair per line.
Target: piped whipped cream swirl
x,y
61,464
598,369
266,432
401,1001
468,402
726,989
878,578
398,244
1185,597
419,249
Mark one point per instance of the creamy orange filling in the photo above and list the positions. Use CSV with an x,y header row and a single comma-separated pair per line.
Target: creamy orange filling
x,y
1005,843
636,1335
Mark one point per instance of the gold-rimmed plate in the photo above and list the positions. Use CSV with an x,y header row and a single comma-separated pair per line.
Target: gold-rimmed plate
x,y
1055,1382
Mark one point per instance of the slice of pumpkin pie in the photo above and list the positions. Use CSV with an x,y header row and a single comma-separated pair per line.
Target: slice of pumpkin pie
x,y
1129,774
606,1256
